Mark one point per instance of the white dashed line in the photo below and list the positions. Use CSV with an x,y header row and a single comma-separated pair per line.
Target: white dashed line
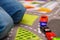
x,y
48,15
57,11
12,29
38,25
10,35
35,30
35,13
8,38
21,25
54,16
51,14
39,30
11,32
30,27
26,26
43,34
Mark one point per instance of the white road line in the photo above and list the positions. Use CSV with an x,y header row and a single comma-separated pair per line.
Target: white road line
x,y
21,25
54,16
35,30
30,27
43,34
51,14
57,11
8,38
38,25
26,26
11,32
10,35
39,30
12,29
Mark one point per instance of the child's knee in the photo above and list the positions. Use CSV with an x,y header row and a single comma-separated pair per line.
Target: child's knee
x,y
6,23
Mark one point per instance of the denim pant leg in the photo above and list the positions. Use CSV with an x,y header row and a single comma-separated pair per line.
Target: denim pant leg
x,y
6,23
15,9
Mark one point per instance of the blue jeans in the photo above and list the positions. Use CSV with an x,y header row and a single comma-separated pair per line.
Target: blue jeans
x,y
6,23
15,9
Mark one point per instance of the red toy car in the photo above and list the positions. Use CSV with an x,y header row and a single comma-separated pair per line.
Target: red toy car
x,y
43,21
44,18
50,35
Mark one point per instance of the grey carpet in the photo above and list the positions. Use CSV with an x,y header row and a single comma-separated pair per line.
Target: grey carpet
x,y
54,25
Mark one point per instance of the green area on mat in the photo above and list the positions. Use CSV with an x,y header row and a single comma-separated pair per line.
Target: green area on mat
x,y
23,34
35,3
56,38
29,19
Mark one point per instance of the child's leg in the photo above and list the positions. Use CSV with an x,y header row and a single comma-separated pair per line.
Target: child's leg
x,y
15,9
6,23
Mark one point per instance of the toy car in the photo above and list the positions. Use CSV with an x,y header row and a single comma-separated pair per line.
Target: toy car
x,y
44,18
45,29
43,24
56,38
50,35
43,21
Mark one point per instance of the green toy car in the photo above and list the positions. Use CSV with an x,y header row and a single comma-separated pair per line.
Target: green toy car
x,y
56,38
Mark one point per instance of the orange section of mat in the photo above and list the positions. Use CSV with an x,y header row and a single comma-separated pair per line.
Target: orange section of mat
x,y
28,7
47,10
